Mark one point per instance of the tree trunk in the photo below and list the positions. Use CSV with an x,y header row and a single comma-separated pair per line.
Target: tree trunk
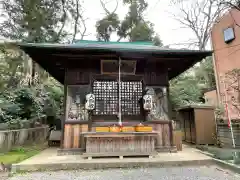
x,y
11,80
33,72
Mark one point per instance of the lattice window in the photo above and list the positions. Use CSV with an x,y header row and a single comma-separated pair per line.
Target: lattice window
x,y
107,97
106,93
131,94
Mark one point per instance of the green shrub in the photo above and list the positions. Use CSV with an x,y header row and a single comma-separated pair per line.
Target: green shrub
x,y
21,107
14,124
30,104
3,126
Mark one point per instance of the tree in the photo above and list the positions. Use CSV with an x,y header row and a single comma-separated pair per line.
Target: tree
x,y
13,66
232,4
109,24
31,21
198,16
184,90
75,12
205,73
187,88
41,21
133,27
157,41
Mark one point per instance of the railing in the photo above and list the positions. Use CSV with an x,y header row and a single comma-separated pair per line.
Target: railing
x,y
224,133
20,137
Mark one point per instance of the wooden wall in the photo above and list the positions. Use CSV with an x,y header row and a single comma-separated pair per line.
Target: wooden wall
x,y
205,126
187,127
77,77
152,76
72,137
198,125
164,138
177,139
155,75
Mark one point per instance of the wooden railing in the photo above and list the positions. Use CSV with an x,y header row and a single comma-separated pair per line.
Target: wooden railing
x,y
20,137
224,133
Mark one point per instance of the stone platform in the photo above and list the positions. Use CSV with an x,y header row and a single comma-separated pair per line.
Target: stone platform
x,y
49,160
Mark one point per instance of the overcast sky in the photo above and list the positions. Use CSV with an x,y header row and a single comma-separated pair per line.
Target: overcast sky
x,y
158,12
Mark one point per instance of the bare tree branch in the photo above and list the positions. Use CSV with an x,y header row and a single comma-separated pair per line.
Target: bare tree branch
x,y
83,33
79,20
76,21
191,44
231,4
198,16
106,10
64,18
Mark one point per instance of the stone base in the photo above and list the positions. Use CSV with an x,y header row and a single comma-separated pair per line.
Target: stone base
x,y
236,157
98,164
4,175
73,151
80,151
171,149
119,154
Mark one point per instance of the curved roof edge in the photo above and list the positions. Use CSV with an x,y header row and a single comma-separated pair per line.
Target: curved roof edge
x,y
116,47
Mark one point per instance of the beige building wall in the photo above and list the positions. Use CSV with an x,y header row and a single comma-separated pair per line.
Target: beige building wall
x,y
226,56
211,98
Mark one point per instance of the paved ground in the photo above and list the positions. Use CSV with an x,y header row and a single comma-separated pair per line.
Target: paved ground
x,y
177,173
48,160
49,156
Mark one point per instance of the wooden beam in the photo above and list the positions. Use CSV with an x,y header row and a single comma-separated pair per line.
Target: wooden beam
x,y
65,113
66,57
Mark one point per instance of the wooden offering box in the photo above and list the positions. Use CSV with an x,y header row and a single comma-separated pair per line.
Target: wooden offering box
x,y
143,129
119,144
114,129
102,129
128,129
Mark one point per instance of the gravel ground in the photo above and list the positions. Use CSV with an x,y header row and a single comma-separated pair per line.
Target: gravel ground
x,y
177,173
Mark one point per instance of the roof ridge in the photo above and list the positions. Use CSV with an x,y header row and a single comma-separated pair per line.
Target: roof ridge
x,y
114,42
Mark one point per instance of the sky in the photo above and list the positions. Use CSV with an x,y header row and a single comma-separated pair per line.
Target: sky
x,y
159,12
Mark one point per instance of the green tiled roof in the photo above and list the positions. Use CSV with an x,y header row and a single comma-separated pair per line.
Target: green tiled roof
x,y
140,46
114,42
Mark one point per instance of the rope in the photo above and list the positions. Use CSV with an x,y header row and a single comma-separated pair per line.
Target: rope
x,y
119,99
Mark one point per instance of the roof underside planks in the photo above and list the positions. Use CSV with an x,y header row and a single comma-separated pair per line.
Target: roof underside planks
x,y
55,58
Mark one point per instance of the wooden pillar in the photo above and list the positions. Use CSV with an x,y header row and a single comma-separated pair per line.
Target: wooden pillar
x,y
67,136
169,105
84,128
76,136
72,135
166,101
170,115
63,119
159,139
